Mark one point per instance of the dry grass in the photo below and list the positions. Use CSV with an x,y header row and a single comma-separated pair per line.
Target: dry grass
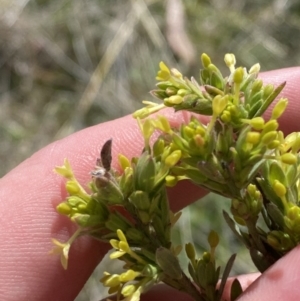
x,y
68,64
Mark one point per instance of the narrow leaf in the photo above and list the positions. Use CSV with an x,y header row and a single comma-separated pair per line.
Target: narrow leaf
x,y
236,290
225,275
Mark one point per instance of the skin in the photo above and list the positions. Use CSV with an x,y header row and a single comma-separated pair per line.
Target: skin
x,y
31,191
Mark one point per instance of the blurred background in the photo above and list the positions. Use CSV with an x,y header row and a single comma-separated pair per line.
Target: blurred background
x,y
69,64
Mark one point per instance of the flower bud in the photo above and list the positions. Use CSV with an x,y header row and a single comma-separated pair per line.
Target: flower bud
x,y
230,60
173,100
256,86
183,92
171,181
171,91
238,208
64,208
271,125
279,188
164,124
149,270
205,59
147,129
251,189
254,69
292,219
253,137
274,144
72,187
128,290
219,103
158,147
289,158
257,123
129,275
111,281
279,108
269,137
188,132
173,158
226,116
206,257
213,239
190,251
123,161
176,73
238,75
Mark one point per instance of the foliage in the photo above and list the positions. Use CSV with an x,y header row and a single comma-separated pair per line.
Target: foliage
x,y
237,154
51,53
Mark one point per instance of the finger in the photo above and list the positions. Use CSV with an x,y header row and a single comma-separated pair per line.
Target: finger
x,y
30,193
162,292
289,121
279,282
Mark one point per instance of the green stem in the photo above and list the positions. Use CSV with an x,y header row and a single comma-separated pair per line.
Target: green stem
x,y
255,236
184,284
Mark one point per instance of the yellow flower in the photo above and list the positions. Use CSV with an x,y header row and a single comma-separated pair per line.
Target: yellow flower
x,y
109,280
129,275
134,296
65,170
63,250
164,72
173,158
121,245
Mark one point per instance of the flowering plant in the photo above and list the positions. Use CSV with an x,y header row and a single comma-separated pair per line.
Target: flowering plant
x,y
237,153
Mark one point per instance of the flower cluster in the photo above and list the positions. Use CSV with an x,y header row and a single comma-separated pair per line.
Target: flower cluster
x,y
237,153
138,270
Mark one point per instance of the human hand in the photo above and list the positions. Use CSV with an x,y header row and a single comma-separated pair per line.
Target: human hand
x,y
30,193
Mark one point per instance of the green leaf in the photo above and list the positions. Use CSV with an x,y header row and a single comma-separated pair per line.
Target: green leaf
x,y
236,290
269,193
276,173
225,275
145,173
169,263
201,273
192,272
269,100
276,215
232,225
261,262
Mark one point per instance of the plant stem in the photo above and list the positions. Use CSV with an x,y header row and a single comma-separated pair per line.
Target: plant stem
x,y
184,284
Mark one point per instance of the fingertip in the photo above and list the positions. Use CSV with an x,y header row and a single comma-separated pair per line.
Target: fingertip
x,y
279,282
